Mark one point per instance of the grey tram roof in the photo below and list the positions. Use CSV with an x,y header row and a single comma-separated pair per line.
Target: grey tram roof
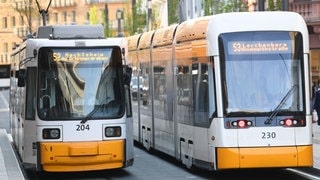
x,y
71,32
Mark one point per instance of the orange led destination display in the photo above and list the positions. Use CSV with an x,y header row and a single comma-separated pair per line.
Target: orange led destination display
x,y
259,47
81,54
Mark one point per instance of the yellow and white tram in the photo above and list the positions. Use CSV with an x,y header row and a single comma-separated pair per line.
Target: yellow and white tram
x,y
228,91
70,103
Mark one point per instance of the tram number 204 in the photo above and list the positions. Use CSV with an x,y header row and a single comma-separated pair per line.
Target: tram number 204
x,y
83,127
268,135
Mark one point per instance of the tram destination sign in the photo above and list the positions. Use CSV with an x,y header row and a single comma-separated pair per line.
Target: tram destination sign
x,y
81,54
259,47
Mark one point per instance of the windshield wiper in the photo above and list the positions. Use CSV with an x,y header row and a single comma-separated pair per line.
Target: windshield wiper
x,y
89,116
282,102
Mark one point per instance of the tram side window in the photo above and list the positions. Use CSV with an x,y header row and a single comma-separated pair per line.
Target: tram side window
x,y
201,94
203,90
31,92
128,101
144,91
184,93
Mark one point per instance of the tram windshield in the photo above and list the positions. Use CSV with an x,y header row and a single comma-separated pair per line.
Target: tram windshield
x,y
80,83
4,71
262,72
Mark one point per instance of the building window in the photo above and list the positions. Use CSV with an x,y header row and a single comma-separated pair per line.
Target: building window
x,y
21,20
5,47
73,16
88,17
6,50
39,21
4,22
65,17
56,18
13,21
13,45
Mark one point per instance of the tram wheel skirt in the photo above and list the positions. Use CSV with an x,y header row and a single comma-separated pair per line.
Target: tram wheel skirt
x,y
264,157
82,156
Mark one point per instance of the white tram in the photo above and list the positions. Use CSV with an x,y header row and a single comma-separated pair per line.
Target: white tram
x,y
70,103
228,91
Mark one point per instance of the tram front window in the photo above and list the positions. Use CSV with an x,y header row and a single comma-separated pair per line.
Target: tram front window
x,y
262,72
4,71
80,84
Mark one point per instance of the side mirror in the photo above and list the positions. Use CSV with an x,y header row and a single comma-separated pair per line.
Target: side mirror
x,y
127,75
21,74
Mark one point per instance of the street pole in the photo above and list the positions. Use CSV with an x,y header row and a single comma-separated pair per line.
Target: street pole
x,y
285,5
119,16
261,5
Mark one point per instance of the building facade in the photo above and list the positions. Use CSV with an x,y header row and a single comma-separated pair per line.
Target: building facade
x,y
22,17
310,10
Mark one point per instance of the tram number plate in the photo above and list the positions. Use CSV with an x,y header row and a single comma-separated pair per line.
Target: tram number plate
x,y
83,127
268,135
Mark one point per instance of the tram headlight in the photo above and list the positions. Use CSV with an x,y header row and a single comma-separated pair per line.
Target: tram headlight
x,y
241,123
289,122
114,131
49,133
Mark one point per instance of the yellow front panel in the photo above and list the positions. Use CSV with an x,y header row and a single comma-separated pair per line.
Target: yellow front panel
x,y
264,157
82,156
83,149
268,157
305,156
228,158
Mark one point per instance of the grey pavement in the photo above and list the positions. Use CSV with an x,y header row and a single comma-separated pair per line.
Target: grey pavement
x,y
316,146
9,165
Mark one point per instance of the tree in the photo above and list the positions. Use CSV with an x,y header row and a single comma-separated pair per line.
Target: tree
x,y
208,7
93,15
108,32
229,6
274,6
173,11
279,5
139,17
271,6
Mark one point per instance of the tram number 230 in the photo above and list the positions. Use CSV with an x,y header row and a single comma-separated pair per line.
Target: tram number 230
x,y
82,127
268,135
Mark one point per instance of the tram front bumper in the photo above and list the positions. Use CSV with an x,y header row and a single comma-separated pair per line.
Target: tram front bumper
x,y
265,157
82,156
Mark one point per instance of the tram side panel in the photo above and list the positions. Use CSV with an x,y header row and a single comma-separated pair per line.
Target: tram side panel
x,y
135,85
192,102
145,101
163,97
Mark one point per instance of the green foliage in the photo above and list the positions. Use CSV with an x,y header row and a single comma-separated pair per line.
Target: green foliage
x,y
279,5
271,6
220,6
93,15
128,21
274,5
138,19
208,7
173,11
